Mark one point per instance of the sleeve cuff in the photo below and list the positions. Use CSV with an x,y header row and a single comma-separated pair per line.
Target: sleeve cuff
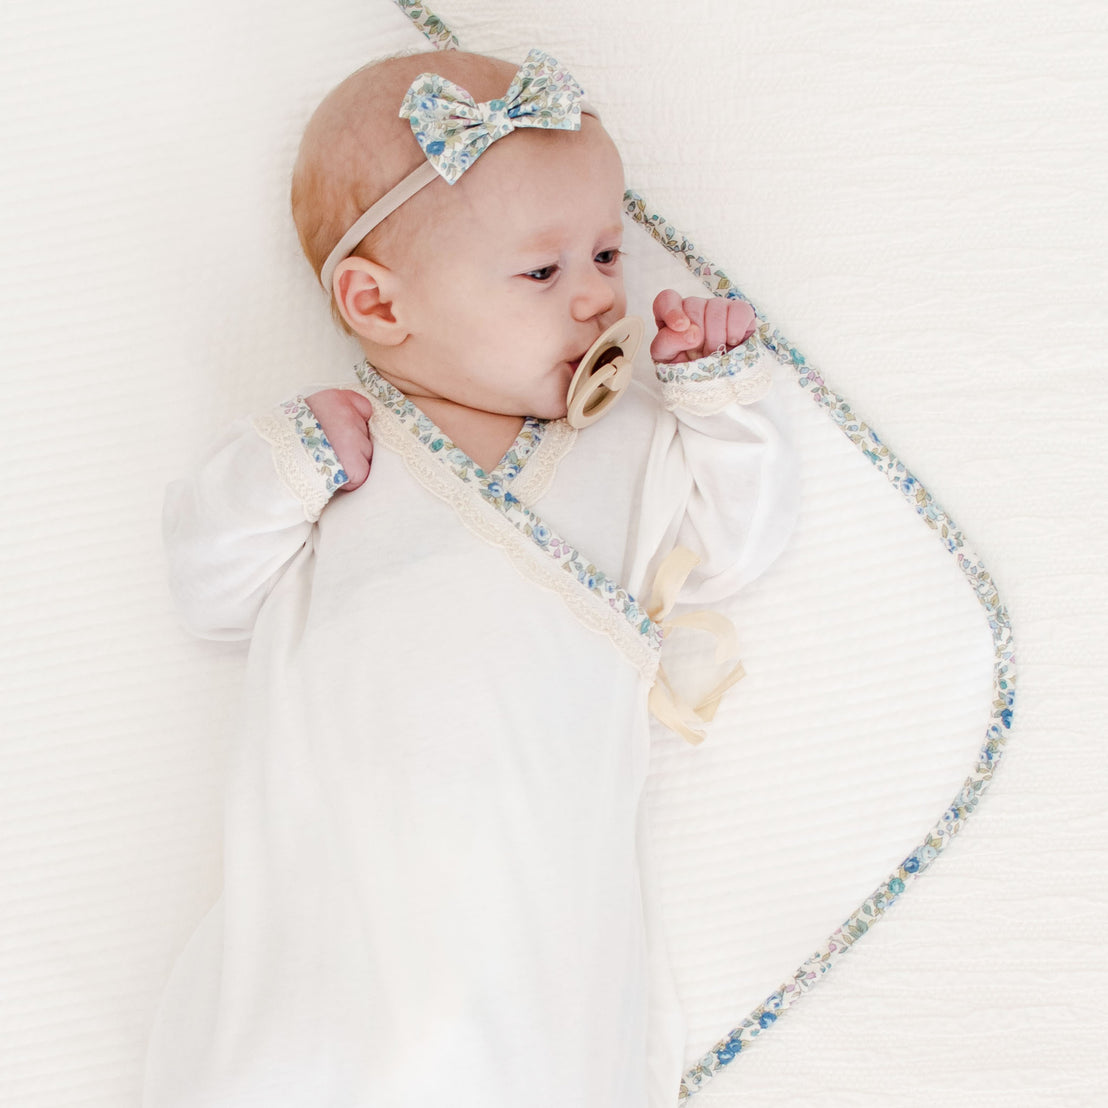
x,y
304,458
315,443
707,385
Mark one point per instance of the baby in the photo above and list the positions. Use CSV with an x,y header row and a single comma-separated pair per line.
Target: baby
x,y
437,874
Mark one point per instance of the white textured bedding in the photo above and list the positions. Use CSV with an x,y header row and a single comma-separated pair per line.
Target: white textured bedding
x,y
912,194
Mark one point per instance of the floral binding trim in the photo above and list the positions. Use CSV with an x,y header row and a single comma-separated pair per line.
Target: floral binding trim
x,y
717,282
530,484
713,367
575,570
438,34
874,907
302,456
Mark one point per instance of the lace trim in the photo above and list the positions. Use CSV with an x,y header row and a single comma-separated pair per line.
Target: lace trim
x,y
707,385
536,478
709,397
293,463
640,646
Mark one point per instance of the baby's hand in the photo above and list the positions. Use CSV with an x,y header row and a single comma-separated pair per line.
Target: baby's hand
x,y
344,415
695,327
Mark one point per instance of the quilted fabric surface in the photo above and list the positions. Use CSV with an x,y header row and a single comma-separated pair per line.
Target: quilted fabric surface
x,y
912,194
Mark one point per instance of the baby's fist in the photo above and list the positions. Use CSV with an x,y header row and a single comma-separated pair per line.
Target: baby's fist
x,y
344,417
695,327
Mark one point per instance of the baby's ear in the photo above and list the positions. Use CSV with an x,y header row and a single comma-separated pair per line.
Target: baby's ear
x,y
363,292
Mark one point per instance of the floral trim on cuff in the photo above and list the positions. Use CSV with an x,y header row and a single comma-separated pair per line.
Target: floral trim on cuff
x,y
303,458
315,442
707,385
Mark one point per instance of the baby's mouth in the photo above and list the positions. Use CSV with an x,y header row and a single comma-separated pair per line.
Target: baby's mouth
x,y
575,362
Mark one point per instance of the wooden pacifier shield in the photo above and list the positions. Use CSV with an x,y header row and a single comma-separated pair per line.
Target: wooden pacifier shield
x,y
604,372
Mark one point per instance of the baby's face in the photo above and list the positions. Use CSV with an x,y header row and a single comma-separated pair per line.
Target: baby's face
x,y
519,273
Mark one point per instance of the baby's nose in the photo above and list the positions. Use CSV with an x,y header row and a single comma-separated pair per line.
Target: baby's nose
x,y
595,296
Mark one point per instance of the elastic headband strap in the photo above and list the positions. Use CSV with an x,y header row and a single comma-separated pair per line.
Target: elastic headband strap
x,y
419,178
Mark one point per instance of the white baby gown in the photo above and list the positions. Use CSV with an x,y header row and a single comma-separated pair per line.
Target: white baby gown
x,y
436,865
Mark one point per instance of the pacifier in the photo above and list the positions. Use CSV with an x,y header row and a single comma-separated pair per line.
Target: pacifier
x,y
604,372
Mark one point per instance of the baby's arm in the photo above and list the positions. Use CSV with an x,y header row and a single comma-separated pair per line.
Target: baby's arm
x,y
721,480
234,526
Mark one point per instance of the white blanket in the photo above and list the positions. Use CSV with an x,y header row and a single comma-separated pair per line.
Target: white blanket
x,y
911,194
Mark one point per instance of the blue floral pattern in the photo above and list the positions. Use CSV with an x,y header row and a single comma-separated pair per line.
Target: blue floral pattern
x,y
713,367
315,443
453,130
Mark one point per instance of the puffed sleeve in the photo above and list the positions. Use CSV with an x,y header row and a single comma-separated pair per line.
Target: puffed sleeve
x,y
721,476
233,527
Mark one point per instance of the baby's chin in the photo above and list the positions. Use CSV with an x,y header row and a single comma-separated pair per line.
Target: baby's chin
x,y
553,409
545,399
546,403
556,411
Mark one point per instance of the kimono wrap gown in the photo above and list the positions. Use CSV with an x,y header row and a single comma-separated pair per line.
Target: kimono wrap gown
x,y
437,880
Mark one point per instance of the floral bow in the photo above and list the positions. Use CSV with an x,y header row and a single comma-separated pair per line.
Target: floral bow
x,y
453,130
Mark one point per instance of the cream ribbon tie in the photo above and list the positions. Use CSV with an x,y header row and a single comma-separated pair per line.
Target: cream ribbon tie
x,y
665,704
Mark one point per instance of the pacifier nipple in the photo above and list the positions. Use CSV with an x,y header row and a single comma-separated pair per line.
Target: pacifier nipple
x,y
604,372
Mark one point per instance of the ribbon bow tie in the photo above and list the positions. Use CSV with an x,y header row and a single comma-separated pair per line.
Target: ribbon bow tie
x,y
454,130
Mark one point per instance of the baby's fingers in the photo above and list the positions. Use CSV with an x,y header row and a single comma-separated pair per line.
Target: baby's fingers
x,y
669,312
680,327
741,322
715,325
669,346
360,404
357,462
727,323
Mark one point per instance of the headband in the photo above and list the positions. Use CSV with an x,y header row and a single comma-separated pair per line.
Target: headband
x,y
453,131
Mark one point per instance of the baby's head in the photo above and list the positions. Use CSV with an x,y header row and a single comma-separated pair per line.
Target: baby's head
x,y
486,291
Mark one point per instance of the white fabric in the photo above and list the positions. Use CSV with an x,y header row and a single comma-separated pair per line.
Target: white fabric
x,y
431,880
912,192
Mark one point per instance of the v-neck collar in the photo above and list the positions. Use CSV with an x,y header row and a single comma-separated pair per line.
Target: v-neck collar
x,y
424,429
598,600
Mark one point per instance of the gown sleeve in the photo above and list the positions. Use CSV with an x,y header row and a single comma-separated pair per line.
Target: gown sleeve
x,y
235,524
721,477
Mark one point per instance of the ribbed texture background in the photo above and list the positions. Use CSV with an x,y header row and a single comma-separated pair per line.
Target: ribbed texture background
x,y
913,193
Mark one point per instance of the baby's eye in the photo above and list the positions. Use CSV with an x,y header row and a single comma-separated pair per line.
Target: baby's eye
x,y
608,257
543,274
